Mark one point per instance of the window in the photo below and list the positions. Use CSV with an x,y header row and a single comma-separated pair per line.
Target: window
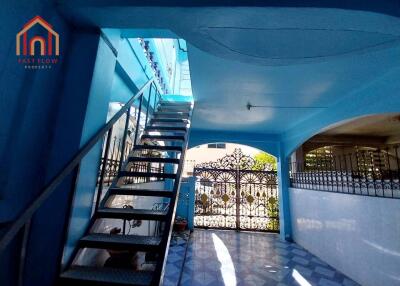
x,y
217,145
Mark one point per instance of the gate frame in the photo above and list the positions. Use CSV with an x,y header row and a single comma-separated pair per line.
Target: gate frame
x,y
237,163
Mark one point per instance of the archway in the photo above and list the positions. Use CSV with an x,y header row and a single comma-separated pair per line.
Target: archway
x,y
236,191
360,156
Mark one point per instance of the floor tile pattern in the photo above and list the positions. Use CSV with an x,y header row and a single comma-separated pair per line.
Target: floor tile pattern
x,y
175,259
229,258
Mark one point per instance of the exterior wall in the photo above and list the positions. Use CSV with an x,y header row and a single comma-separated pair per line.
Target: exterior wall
x,y
358,235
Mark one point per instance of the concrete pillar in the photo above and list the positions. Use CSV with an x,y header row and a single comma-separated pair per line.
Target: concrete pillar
x,y
283,185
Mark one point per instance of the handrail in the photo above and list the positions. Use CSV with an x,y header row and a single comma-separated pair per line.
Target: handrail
x,y
25,216
168,227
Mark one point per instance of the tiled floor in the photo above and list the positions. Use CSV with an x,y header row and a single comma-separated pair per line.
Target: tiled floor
x,y
175,259
245,258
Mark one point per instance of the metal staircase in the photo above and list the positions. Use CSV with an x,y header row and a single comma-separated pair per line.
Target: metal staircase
x,y
163,143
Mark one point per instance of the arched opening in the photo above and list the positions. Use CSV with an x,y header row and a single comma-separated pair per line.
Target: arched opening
x,y
42,45
235,187
360,156
344,193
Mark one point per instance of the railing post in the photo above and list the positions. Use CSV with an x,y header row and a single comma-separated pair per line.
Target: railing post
x,y
24,245
398,163
155,97
138,121
121,160
103,169
148,105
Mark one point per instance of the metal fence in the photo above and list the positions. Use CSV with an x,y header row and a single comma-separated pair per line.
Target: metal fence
x,y
366,171
231,194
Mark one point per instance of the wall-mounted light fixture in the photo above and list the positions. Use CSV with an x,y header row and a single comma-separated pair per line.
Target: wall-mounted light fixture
x,y
249,106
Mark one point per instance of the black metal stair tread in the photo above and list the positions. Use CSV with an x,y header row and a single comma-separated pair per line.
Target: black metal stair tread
x,y
140,192
158,113
87,275
172,116
169,120
116,241
154,160
164,137
168,128
175,103
127,213
158,147
173,109
146,174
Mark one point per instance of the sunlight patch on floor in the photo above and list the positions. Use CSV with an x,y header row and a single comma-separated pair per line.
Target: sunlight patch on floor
x,y
299,278
227,267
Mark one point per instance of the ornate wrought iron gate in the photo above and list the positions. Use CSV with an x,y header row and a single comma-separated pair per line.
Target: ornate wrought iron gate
x,y
230,194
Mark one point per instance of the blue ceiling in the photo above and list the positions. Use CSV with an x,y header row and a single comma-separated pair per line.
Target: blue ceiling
x,y
295,61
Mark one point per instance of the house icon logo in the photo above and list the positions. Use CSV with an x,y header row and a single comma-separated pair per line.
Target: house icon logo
x,y
38,44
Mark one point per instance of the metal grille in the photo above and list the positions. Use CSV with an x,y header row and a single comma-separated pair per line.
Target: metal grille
x,y
230,194
365,171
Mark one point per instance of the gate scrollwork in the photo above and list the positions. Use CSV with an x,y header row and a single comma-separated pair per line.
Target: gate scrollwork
x,y
231,194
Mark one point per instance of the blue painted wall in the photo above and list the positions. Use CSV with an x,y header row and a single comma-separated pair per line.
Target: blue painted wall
x,y
185,207
30,105
266,142
47,115
95,118
50,222
358,235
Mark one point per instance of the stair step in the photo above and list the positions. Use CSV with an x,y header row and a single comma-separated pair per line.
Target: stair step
x,y
175,103
175,113
154,160
159,148
146,175
166,128
127,213
169,120
90,276
171,116
120,242
140,192
173,109
164,137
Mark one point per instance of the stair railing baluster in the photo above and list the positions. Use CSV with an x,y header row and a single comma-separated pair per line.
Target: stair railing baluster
x,y
138,121
148,106
121,159
103,169
155,98
71,166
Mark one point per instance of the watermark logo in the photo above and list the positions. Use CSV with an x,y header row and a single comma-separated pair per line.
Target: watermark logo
x,y
37,45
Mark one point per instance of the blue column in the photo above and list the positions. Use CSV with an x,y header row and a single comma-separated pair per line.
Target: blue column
x,y
95,117
283,185
72,117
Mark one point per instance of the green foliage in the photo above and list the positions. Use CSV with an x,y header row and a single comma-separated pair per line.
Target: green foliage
x,y
264,161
